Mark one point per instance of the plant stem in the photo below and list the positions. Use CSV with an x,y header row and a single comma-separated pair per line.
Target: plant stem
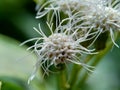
x,y
96,60
63,85
75,73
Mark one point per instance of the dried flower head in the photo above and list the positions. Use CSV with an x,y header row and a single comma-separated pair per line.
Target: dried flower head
x,y
76,10
68,7
58,48
104,17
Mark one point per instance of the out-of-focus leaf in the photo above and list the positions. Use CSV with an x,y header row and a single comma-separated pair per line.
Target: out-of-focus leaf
x,y
9,83
106,75
0,85
15,60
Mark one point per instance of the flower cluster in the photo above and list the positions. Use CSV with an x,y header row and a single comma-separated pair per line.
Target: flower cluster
x,y
58,48
79,23
54,8
105,17
84,15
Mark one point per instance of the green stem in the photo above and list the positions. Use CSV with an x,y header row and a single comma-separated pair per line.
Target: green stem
x,y
63,85
74,75
97,59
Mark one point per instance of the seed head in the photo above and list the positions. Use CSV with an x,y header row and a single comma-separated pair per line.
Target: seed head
x,y
58,48
68,7
104,17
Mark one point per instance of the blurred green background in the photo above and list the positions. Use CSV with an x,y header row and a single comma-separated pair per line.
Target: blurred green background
x,y
17,19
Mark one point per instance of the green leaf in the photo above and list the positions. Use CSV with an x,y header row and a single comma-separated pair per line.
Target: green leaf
x,y
0,85
15,61
9,83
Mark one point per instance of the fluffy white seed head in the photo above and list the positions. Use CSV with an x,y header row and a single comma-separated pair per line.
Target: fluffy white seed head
x,y
72,6
58,48
104,18
68,7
